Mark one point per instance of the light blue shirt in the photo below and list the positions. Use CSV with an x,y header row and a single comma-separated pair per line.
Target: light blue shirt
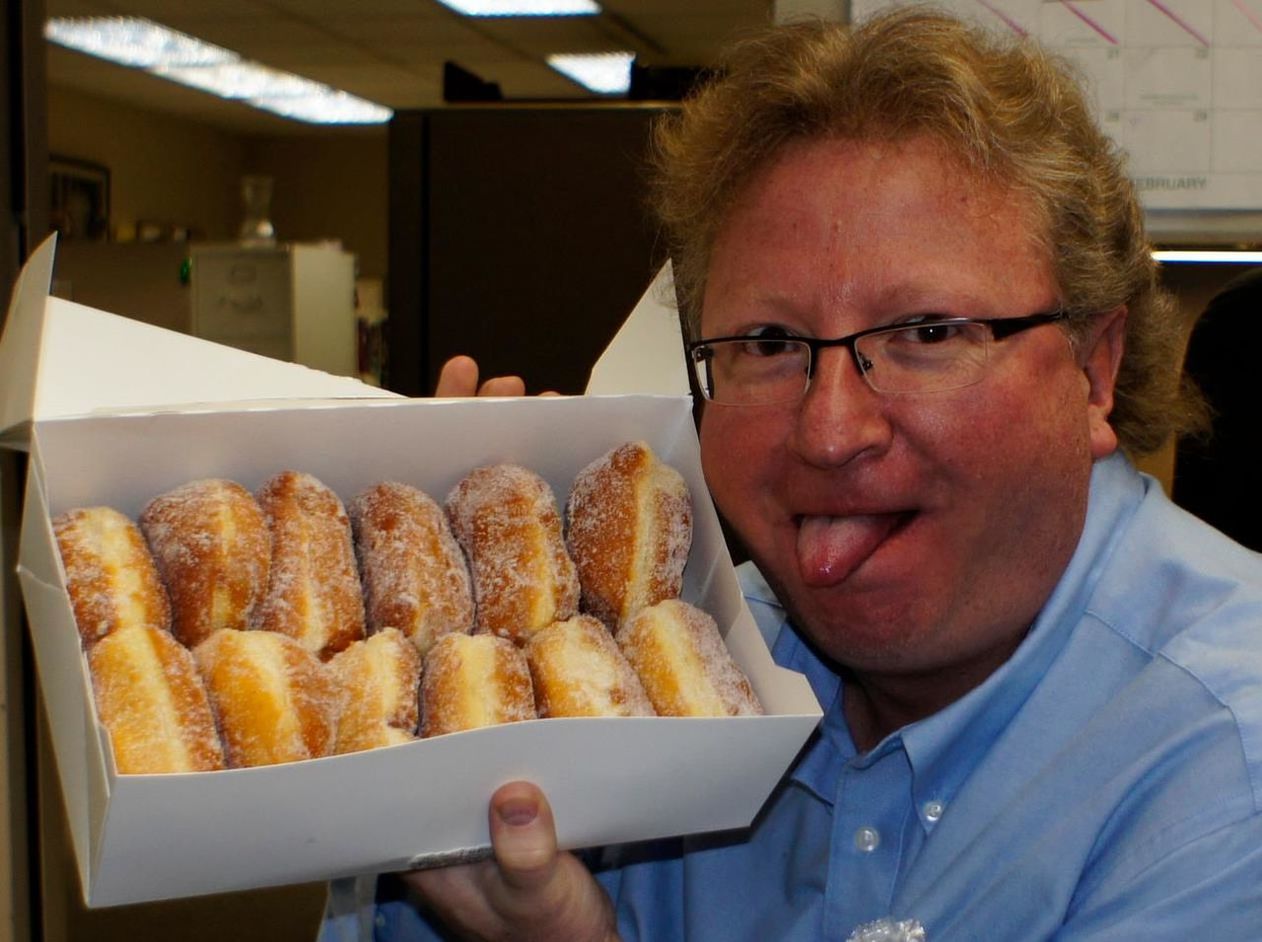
x,y
1105,783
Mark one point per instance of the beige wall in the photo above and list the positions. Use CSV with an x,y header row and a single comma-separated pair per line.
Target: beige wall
x,y
162,168
329,184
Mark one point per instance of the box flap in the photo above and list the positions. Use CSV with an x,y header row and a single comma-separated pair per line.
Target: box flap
x,y
58,358
62,678
647,354
20,340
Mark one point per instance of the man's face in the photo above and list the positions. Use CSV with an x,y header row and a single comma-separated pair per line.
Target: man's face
x,y
913,533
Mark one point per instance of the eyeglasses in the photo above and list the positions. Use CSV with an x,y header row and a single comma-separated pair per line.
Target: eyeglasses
x,y
774,367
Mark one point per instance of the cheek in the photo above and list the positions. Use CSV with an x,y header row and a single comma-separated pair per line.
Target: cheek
x,y
1030,448
735,455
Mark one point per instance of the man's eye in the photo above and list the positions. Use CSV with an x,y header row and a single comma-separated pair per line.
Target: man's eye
x,y
931,332
768,342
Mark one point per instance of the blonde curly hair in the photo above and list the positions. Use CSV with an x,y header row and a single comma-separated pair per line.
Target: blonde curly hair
x,y
1011,112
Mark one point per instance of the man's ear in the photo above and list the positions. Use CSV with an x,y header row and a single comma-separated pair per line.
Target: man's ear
x,y
1101,359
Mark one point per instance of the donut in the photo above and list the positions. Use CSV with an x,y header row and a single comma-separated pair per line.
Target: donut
x,y
111,577
213,551
151,699
413,572
471,681
578,670
275,701
506,520
378,680
686,669
629,529
313,593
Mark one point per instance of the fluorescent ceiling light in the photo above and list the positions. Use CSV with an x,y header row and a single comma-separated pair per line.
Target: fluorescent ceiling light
x,y
608,73
133,42
143,44
327,107
1209,255
523,7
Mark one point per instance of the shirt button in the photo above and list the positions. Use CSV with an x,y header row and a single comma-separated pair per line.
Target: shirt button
x,y
867,839
933,811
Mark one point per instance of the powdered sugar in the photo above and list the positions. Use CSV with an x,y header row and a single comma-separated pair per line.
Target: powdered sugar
x,y
274,700
313,592
413,572
506,520
378,684
686,669
471,681
629,530
151,699
110,574
578,670
213,550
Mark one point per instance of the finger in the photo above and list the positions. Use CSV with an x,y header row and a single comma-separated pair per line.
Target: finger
x,y
523,835
459,897
458,377
503,386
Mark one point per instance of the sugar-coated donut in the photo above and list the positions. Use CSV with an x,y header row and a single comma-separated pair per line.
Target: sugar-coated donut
x,y
507,521
629,529
213,551
150,697
313,592
379,681
414,574
578,670
470,681
685,667
110,574
275,700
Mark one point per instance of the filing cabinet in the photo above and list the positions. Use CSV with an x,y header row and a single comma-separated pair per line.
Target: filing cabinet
x,y
292,302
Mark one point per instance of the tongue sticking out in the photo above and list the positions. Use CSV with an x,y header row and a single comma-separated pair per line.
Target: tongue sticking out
x,y
830,548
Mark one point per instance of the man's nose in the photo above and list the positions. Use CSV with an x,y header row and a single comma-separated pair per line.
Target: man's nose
x,y
841,416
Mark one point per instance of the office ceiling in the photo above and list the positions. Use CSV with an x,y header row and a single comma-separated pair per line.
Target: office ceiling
x,y
392,51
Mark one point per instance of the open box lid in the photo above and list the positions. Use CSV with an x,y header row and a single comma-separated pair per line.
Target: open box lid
x,y
48,339
646,355
142,837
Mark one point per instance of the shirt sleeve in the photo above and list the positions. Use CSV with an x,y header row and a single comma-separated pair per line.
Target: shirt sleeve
x,y
364,909
1209,888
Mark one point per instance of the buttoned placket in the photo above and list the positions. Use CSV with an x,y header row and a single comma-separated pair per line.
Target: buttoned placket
x,y
875,825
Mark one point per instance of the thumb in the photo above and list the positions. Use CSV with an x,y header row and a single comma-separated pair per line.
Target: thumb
x,y
523,835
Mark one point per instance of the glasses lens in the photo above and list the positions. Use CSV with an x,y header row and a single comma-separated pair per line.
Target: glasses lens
x,y
926,357
753,372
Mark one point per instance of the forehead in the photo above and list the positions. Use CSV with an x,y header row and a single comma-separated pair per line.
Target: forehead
x,y
879,179
845,221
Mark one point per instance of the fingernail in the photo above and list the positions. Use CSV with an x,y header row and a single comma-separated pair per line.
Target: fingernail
x,y
518,813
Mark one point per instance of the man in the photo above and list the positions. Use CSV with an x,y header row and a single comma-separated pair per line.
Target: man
x,y
924,316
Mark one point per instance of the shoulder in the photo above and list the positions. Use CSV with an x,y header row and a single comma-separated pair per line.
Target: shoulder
x,y
1188,600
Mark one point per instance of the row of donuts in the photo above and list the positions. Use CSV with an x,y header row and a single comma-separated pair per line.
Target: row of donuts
x,y
336,668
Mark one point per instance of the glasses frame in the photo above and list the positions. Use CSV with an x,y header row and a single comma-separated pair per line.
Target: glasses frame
x,y
1001,328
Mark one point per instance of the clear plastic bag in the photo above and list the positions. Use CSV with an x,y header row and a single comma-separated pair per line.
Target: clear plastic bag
x,y
889,930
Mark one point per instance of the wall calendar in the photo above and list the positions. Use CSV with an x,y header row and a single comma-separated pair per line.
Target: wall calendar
x,y
1177,83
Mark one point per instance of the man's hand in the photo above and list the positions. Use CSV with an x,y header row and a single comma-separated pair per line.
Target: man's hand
x,y
529,891
459,377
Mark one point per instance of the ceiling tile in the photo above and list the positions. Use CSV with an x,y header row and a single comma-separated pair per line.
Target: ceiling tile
x,y
392,51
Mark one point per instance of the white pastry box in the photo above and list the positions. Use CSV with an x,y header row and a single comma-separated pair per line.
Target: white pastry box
x,y
115,412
